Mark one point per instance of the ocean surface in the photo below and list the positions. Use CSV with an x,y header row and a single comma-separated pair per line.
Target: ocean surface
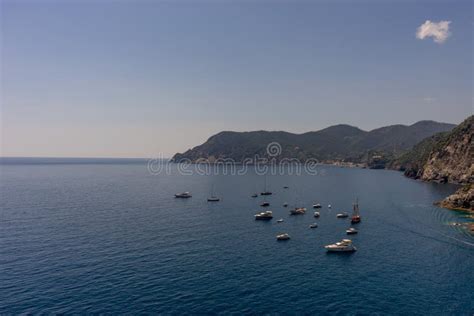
x,y
108,236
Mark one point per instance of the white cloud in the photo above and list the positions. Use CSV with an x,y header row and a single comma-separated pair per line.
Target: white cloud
x,y
438,30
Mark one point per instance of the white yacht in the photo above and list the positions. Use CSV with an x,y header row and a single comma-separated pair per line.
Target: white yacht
x,y
280,220
351,231
316,214
284,236
316,205
329,206
314,225
265,216
344,245
342,215
183,195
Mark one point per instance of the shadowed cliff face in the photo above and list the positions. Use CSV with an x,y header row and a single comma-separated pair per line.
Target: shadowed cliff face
x,y
445,157
339,142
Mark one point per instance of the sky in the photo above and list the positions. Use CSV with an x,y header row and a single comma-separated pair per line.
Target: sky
x,y
152,78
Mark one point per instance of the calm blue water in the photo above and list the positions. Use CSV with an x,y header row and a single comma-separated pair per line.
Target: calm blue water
x,y
104,237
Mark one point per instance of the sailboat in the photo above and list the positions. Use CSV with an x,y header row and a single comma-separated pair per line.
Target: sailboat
x,y
355,213
265,192
213,197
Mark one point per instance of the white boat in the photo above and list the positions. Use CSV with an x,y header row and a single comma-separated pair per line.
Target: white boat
x,y
314,225
352,231
280,220
255,195
285,204
344,245
342,215
298,211
265,216
183,195
316,205
284,236
316,214
329,206
265,204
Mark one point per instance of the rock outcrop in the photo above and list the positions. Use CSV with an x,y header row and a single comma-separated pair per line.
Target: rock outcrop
x,y
462,199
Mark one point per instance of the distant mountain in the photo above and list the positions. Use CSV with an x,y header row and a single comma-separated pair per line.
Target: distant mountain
x,y
335,143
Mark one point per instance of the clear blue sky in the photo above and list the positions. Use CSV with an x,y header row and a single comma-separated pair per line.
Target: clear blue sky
x,y
134,79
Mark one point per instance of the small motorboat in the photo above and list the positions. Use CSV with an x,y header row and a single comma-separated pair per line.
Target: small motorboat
x,y
264,216
213,199
351,231
342,215
344,245
316,205
329,206
285,187
183,195
298,211
316,214
280,220
266,193
284,236
255,195
314,225
285,204
265,204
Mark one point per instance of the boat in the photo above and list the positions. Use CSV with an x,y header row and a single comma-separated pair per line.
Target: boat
x,y
316,214
265,191
285,204
284,236
351,231
344,245
298,211
342,215
264,216
355,213
265,204
285,187
280,220
316,205
329,206
183,195
213,197
314,225
255,195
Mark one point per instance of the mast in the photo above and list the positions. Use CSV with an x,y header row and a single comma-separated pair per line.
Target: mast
x,y
356,207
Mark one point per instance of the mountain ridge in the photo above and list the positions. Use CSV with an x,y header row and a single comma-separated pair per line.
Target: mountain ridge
x,y
337,142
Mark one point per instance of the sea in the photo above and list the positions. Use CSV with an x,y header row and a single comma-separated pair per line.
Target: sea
x,y
107,236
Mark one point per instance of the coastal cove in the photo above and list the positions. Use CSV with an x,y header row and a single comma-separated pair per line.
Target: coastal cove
x,y
111,237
